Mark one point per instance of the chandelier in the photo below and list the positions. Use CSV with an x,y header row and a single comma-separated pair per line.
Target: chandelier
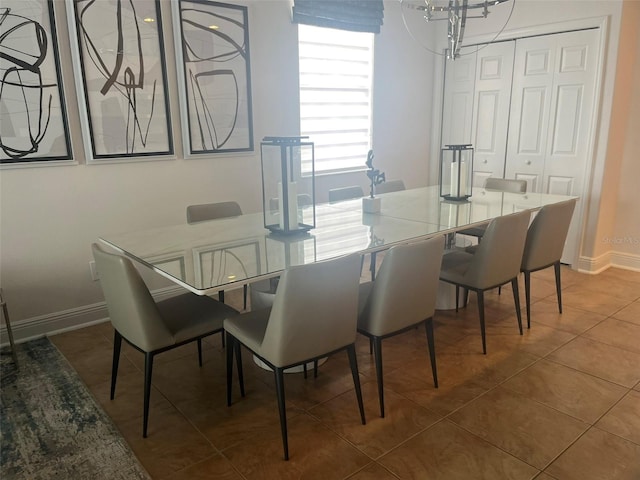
x,y
455,13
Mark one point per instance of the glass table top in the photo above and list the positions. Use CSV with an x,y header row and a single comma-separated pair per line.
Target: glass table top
x,y
213,255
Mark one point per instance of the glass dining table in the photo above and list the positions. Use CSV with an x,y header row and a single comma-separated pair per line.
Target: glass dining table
x,y
227,253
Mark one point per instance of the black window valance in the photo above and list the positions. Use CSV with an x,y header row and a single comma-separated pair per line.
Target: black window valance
x,y
353,15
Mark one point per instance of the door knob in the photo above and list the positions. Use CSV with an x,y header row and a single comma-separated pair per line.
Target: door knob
x,y
528,162
485,161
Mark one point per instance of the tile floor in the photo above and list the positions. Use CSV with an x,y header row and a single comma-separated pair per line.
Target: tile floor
x,y
560,402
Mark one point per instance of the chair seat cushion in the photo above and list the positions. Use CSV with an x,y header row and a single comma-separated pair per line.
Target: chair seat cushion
x,y
249,328
455,265
189,316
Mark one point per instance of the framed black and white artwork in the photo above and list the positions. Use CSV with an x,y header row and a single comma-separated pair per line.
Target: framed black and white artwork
x,y
212,50
33,118
120,68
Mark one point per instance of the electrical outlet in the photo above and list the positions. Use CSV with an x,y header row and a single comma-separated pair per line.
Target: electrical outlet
x,y
94,272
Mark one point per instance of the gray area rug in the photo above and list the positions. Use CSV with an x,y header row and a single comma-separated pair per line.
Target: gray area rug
x,y
50,425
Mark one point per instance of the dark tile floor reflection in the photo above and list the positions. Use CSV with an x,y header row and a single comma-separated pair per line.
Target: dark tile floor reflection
x,y
560,402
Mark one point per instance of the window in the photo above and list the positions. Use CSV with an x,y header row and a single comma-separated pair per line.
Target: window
x,y
336,71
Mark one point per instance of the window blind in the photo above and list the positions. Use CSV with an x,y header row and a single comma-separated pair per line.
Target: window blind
x,y
352,15
336,69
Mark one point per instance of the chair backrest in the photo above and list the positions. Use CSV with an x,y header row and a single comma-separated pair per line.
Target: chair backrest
x,y
390,186
345,193
506,185
314,311
132,310
499,255
546,235
404,291
212,211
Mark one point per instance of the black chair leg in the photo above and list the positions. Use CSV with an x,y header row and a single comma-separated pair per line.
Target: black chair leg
x,y
370,346
304,370
377,349
353,361
315,369
428,324
223,340
527,296
516,301
279,374
481,313
372,266
7,324
229,367
245,289
148,370
556,267
221,300
117,346
457,297
199,342
238,348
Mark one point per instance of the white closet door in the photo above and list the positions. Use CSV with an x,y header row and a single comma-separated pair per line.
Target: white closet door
x,y
573,100
552,107
494,70
530,105
458,100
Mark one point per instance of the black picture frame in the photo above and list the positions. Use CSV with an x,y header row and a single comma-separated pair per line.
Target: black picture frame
x,y
33,116
214,72
121,75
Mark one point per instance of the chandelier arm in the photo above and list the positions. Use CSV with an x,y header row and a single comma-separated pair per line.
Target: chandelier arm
x,y
433,8
463,23
456,25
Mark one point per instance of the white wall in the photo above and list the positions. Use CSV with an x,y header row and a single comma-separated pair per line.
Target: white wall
x,y
625,240
49,216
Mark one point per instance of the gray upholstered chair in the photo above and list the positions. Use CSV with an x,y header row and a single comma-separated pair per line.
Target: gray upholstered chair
x,y
496,184
505,185
345,193
214,211
314,314
390,186
152,327
402,296
496,262
544,245
7,323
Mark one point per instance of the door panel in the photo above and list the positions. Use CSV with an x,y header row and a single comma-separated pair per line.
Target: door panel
x,y
531,132
564,66
560,185
491,109
565,135
458,100
530,105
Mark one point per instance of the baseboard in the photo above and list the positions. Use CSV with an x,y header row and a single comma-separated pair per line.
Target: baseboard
x,y
628,261
595,265
59,322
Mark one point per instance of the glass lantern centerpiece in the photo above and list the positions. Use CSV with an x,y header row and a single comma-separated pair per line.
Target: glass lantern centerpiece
x,y
456,172
288,184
